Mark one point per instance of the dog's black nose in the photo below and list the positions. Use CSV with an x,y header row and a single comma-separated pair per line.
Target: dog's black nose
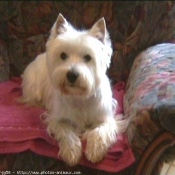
x,y
72,76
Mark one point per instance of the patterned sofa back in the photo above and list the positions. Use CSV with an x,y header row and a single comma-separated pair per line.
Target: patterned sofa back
x,y
133,26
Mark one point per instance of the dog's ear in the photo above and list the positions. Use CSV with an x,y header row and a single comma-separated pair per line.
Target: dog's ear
x,y
98,30
60,26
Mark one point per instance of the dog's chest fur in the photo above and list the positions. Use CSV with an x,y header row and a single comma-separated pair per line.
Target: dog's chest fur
x,y
81,112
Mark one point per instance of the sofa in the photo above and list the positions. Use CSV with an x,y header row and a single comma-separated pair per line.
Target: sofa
x,y
142,35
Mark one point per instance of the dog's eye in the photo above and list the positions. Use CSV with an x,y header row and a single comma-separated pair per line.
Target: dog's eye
x,y
63,56
87,58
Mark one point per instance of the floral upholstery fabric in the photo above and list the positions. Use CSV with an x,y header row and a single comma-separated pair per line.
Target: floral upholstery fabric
x,y
152,22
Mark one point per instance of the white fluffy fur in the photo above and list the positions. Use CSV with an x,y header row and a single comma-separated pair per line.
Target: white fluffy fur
x,y
82,108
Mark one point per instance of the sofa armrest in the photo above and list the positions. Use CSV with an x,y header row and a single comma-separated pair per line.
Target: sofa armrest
x,y
149,100
153,152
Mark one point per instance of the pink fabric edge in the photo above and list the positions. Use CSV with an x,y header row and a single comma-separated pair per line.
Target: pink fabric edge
x,y
39,146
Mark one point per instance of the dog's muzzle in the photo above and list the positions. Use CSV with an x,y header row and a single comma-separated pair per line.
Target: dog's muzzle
x,y
72,76
73,84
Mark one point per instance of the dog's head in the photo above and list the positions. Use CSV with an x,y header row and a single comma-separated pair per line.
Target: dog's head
x,y
77,60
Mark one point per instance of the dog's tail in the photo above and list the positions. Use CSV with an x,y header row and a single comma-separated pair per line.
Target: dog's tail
x,y
122,123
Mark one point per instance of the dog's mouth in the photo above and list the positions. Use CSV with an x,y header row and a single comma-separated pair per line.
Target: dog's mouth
x,y
73,90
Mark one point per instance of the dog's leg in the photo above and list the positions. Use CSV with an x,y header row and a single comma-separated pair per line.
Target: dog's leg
x,y
69,142
100,139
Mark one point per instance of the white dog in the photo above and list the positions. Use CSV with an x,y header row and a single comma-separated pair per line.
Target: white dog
x,y
70,81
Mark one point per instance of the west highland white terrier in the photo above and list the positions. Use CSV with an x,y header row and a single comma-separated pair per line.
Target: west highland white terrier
x,y
70,80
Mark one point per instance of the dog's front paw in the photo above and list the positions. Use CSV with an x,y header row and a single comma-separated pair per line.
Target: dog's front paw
x,y
98,142
96,147
70,151
95,150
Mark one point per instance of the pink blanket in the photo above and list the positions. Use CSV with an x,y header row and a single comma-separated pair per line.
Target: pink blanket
x,y
21,129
